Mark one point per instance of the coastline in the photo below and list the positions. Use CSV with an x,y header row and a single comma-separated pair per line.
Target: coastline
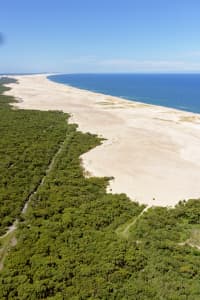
x,y
121,97
151,151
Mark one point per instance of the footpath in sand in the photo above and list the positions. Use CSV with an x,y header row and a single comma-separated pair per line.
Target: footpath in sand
x,y
152,152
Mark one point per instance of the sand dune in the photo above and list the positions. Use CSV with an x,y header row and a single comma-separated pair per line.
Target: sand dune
x,y
152,152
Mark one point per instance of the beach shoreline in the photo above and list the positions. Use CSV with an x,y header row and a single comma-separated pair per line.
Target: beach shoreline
x,y
151,151
121,98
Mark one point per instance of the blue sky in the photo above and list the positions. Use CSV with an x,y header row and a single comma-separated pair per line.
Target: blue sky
x,y
100,36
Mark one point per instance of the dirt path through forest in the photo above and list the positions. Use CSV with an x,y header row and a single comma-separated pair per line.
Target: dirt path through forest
x,y
125,232
7,238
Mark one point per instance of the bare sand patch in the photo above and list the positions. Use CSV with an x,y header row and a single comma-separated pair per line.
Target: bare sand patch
x,y
152,152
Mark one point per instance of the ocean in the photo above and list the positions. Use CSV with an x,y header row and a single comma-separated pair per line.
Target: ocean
x,y
180,91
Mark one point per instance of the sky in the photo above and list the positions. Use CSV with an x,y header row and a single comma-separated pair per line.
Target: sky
x,y
100,36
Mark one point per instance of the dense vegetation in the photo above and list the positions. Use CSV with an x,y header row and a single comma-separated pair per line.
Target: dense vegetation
x,y
73,242
28,141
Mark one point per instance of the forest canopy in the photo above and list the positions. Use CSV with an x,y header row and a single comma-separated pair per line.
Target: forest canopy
x,y
76,241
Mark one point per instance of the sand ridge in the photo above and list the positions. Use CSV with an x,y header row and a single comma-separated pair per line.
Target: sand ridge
x,y
151,151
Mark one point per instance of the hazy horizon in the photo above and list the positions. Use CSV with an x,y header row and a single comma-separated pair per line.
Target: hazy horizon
x,y
76,36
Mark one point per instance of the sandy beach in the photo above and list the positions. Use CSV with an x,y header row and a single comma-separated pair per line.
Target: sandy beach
x,y
151,151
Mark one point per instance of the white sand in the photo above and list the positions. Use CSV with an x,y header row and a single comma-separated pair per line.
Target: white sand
x,y
152,152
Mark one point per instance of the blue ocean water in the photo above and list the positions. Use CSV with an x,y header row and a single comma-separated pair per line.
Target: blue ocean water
x,y
181,91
